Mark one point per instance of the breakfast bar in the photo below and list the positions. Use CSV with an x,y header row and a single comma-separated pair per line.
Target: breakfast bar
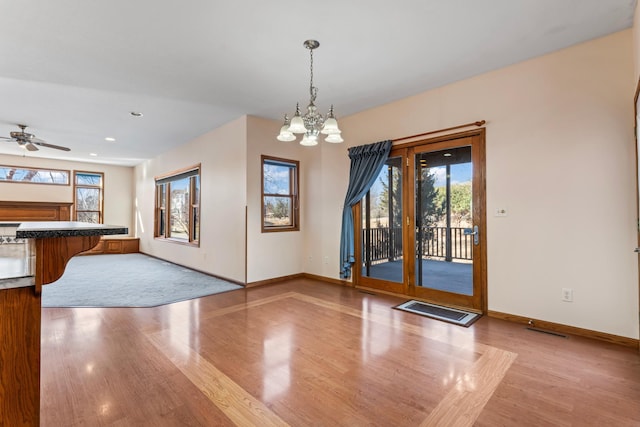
x,y
32,254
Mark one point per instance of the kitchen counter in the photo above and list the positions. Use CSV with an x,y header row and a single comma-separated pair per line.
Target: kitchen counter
x,y
32,255
36,230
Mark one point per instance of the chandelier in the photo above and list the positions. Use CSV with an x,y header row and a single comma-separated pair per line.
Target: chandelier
x,y
312,123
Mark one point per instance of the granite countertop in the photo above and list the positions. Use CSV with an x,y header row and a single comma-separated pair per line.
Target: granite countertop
x,y
41,229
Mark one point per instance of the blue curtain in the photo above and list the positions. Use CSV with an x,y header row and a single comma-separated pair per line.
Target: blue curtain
x,y
366,163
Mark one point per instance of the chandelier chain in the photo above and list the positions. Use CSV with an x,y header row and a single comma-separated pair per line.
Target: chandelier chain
x,y
313,91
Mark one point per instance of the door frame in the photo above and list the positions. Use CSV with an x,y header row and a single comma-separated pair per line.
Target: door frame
x,y
407,287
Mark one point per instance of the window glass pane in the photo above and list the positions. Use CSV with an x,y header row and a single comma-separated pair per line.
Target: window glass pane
x,y
87,199
196,195
179,201
277,211
277,179
162,192
89,179
196,224
33,175
161,229
92,217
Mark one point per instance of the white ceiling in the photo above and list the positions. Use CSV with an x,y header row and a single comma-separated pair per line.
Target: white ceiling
x,y
73,70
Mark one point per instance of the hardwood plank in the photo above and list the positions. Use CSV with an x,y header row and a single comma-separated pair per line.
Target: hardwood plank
x,y
303,352
464,403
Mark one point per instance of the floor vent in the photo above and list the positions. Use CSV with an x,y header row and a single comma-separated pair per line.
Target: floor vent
x,y
366,292
542,331
446,314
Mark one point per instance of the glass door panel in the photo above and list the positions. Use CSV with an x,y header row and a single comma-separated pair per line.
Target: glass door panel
x,y
381,216
444,231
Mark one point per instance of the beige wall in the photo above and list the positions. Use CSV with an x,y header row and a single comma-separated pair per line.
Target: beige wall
x,y
560,158
118,187
279,254
222,154
636,43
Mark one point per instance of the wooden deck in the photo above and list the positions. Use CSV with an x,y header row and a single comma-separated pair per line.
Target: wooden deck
x,y
447,276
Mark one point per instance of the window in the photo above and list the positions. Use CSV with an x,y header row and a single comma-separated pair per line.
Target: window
x,y
33,175
177,215
88,196
280,209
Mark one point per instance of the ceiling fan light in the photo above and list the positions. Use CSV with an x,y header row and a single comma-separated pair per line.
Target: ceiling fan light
x,y
334,138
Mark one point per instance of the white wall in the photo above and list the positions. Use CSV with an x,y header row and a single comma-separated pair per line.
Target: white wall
x,y
222,154
560,158
118,187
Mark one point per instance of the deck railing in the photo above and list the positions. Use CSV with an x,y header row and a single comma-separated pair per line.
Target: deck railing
x,y
384,244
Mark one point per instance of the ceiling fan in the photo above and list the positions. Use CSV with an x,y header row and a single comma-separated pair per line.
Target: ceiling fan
x,y
29,141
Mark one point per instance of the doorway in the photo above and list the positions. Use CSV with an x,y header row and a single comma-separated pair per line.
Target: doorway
x,y
421,226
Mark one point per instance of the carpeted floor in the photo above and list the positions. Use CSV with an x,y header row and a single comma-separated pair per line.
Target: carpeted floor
x,y
131,280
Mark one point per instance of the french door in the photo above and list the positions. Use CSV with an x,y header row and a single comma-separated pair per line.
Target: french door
x,y
421,227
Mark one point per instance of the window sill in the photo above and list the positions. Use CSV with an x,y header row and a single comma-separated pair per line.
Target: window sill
x,y
195,244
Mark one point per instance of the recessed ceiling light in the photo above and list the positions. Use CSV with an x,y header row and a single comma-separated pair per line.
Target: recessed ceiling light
x,y
447,154
136,114
93,154
110,139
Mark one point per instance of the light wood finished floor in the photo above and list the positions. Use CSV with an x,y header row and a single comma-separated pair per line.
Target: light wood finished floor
x,y
305,353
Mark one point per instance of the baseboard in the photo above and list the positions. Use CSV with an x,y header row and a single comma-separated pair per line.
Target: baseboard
x,y
339,282
274,280
299,276
566,329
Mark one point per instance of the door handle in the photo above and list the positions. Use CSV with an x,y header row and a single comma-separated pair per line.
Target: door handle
x,y
636,250
476,235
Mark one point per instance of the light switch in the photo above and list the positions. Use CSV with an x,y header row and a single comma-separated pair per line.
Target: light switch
x,y
500,212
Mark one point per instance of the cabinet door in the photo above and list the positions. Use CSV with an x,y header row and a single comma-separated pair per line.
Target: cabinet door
x,y
113,246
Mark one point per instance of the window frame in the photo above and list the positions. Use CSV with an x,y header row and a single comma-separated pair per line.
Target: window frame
x,y
162,213
100,187
293,195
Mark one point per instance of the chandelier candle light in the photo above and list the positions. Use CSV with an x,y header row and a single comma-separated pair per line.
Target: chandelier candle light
x,y
312,124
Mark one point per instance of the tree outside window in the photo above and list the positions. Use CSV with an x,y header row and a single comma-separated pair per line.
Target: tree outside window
x,y
177,213
280,205
88,196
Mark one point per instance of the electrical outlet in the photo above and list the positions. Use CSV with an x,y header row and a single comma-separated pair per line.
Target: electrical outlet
x,y
326,260
567,294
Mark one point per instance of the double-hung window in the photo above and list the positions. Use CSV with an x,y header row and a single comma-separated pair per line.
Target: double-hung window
x,y
88,190
280,207
177,214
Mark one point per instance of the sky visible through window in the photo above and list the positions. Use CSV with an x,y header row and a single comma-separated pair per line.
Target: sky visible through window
x,y
460,173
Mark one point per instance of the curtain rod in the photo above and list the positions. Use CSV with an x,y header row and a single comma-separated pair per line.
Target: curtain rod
x,y
478,123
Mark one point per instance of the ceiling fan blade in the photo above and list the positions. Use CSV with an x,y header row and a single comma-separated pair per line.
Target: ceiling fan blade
x,y
57,147
30,147
7,138
34,139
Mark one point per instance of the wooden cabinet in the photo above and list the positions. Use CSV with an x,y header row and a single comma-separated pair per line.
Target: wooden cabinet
x,y
116,245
